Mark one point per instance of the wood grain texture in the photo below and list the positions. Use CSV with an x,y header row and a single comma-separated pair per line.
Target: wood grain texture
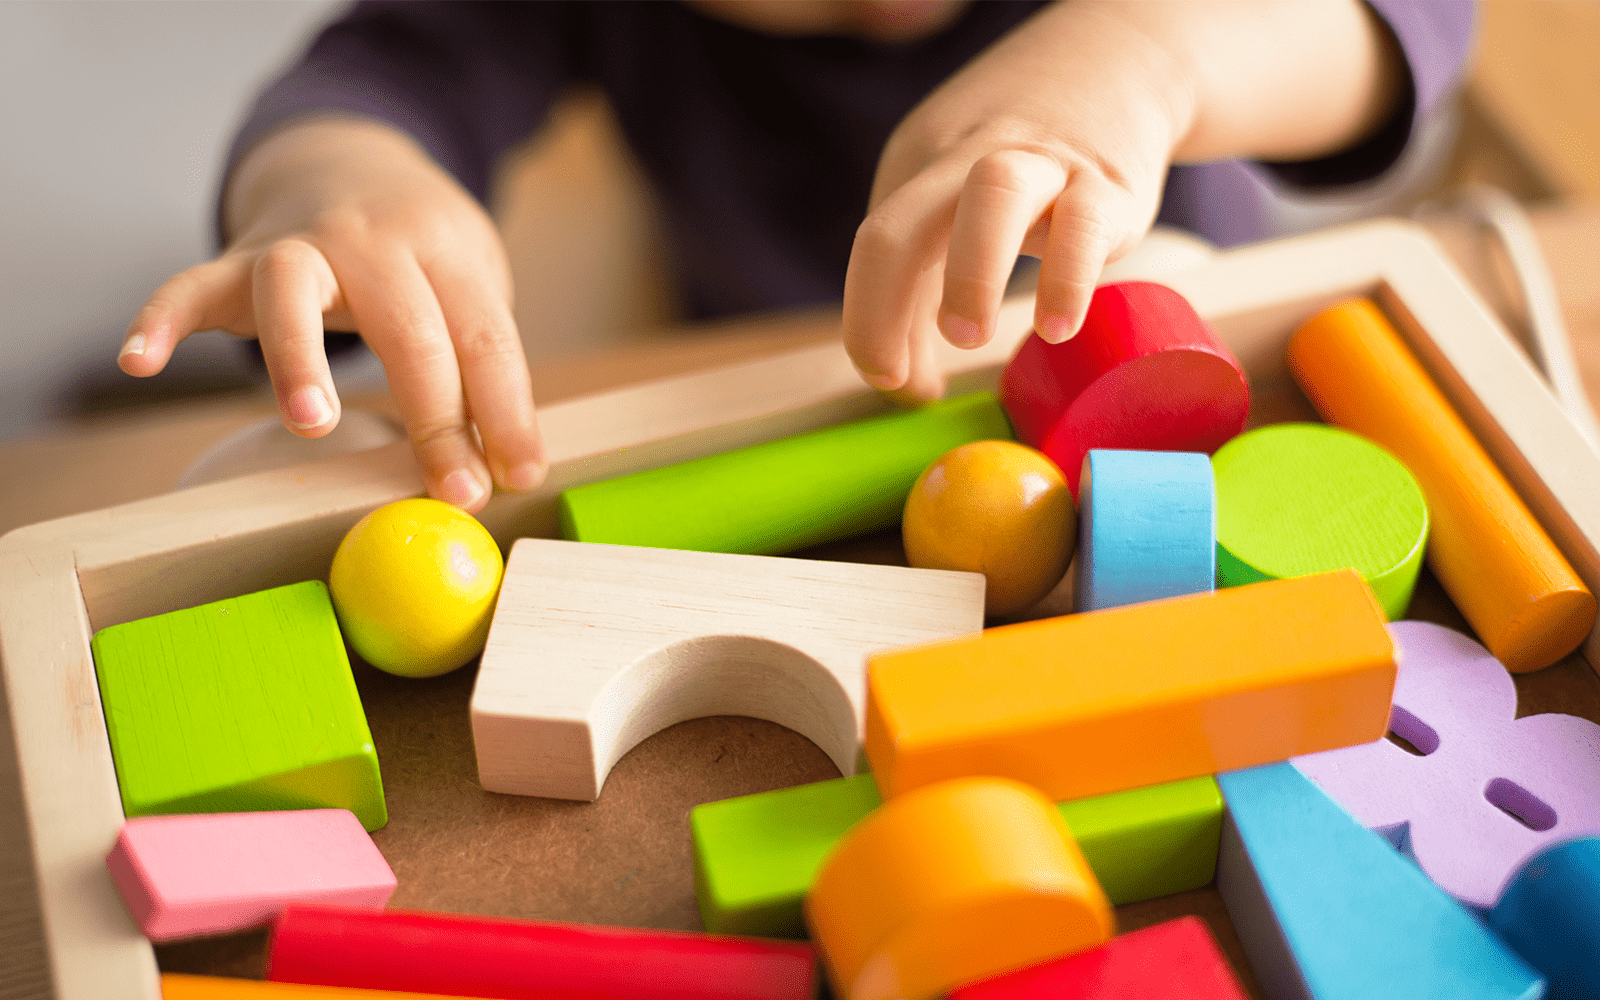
x,y
1144,372
953,883
595,647
183,876
239,705
1178,958
1501,567
1487,790
446,953
1295,499
1132,696
1328,910
161,553
757,856
1147,527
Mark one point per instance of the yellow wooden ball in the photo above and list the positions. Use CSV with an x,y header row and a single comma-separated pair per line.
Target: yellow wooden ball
x,y
997,508
414,585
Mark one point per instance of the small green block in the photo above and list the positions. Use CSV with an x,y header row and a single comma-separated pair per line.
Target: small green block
x,y
756,856
242,705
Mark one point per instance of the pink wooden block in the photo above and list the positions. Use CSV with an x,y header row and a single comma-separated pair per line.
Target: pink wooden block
x,y
213,873
1489,791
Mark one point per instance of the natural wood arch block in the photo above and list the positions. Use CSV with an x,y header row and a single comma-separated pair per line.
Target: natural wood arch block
x,y
952,884
1297,499
1144,373
596,647
1500,567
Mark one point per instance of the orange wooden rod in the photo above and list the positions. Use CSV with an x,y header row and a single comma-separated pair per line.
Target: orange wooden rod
x,y
1503,572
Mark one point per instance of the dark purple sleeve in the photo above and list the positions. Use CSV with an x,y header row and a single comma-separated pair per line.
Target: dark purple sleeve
x,y
1236,201
466,79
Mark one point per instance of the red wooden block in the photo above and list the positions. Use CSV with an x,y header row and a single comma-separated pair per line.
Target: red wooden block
x,y
529,959
1176,959
1144,373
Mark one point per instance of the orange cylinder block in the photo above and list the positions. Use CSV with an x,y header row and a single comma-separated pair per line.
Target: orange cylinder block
x,y
953,884
1502,570
1131,696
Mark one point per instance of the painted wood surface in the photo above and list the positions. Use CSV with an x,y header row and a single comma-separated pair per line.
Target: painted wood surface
x,y
953,883
62,579
757,856
783,495
239,705
595,647
1328,910
215,873
1093,703
1550,913
1295,499
1500,567
528,959
998,508
1147,527
1178,958
175,986
1144,372
1488,790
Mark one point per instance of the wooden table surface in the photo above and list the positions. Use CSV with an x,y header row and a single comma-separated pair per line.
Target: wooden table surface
x,y
634,840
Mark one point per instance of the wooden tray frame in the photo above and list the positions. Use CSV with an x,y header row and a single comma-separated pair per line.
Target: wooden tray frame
x,y
62,580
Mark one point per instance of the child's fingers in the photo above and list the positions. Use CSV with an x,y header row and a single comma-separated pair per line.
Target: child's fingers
x,y
399,316
293,285
1005,194
211,295
1084,231
494,372
896,245
925,379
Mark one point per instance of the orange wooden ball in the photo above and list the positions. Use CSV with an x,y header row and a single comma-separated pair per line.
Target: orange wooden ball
x,y
997,508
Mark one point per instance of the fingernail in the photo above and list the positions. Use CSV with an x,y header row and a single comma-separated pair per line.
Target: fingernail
x,y
960,331
309,408
461,488
878,380
525,476
1055,329
133,345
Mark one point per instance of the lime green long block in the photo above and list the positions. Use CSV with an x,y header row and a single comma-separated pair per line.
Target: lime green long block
x,y
243,705
782,495
756,856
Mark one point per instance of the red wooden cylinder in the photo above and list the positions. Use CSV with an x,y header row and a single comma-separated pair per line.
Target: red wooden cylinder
x,y
527,959
1144,373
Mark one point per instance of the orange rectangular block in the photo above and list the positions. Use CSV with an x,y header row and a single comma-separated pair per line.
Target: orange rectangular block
x,y
175,986
1131,696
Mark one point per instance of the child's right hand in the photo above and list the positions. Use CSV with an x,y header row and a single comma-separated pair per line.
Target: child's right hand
x,y
343,224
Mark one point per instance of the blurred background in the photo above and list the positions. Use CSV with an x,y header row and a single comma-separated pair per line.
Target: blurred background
x,y
117,115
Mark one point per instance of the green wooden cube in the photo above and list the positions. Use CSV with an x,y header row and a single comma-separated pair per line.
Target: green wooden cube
x,y
756,856
242,705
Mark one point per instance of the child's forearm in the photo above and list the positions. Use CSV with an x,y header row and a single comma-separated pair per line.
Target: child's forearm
x,y
1267,79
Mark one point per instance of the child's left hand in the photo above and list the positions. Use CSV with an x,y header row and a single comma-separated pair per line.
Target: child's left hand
x,y
1055,143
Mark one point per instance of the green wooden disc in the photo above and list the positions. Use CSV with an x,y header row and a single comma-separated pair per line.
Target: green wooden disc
x,y
1298,499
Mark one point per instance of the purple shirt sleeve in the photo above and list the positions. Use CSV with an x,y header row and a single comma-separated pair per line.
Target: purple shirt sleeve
x,y
1230,202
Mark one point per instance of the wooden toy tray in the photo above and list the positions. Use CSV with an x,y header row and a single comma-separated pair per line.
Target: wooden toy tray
x,y
625,858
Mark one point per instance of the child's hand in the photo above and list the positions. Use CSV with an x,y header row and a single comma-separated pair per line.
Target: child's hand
x,y
1056,141
341,224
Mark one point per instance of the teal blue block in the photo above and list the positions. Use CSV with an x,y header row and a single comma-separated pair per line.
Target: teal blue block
x,y
1147,527
1327,909
241,705
756,856
1550,913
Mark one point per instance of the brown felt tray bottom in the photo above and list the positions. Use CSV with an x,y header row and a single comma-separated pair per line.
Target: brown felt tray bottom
x,y
626,858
